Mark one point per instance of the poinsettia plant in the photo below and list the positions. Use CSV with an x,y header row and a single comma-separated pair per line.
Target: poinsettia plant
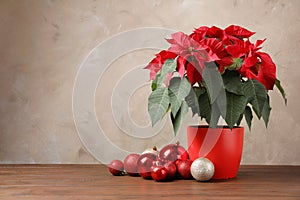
x,y
215,72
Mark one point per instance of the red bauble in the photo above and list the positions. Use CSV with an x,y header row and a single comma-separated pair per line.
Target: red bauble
x,y
116,167
168,153
130,164
182,153
172,152
171,170
158,173
144,164
184,168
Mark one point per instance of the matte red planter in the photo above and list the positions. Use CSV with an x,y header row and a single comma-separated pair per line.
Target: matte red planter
x,y
220,145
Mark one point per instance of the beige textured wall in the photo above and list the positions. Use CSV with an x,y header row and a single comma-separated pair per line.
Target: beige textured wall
x,y
43,44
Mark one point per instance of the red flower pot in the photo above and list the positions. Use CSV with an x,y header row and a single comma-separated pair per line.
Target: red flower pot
x,y
220,145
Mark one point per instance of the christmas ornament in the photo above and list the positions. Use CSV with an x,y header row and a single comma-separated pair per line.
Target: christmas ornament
x,y
130,164
184,168
172,152
171,170
144,164
159,173
202,169
116,167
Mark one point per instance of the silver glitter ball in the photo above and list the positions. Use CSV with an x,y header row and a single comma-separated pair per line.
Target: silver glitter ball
x,y
202,169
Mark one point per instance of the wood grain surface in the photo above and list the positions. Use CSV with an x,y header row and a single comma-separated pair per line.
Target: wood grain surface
x,y
95,182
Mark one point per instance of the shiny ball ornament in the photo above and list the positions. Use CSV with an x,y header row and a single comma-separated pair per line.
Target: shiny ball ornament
x,y
202,169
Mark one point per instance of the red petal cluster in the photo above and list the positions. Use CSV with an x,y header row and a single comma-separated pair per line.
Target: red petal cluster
x,y
156,64
224,47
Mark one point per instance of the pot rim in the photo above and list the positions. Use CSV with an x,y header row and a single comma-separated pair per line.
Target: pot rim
x,y
218,127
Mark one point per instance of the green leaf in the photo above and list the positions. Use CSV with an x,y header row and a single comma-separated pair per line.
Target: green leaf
x,y
248,116
168,67
212,112
192,101
266,111
235,107
204,107
236,65
256,94
232,82
158,103
178,90
221,103
280,88
199,91
177,120
213,80
214,116
154,84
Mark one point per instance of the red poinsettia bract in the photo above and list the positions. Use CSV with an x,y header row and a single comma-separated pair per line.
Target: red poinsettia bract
x,y
229,48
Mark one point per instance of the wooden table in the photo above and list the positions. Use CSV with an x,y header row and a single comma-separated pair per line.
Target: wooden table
x,y
95,182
